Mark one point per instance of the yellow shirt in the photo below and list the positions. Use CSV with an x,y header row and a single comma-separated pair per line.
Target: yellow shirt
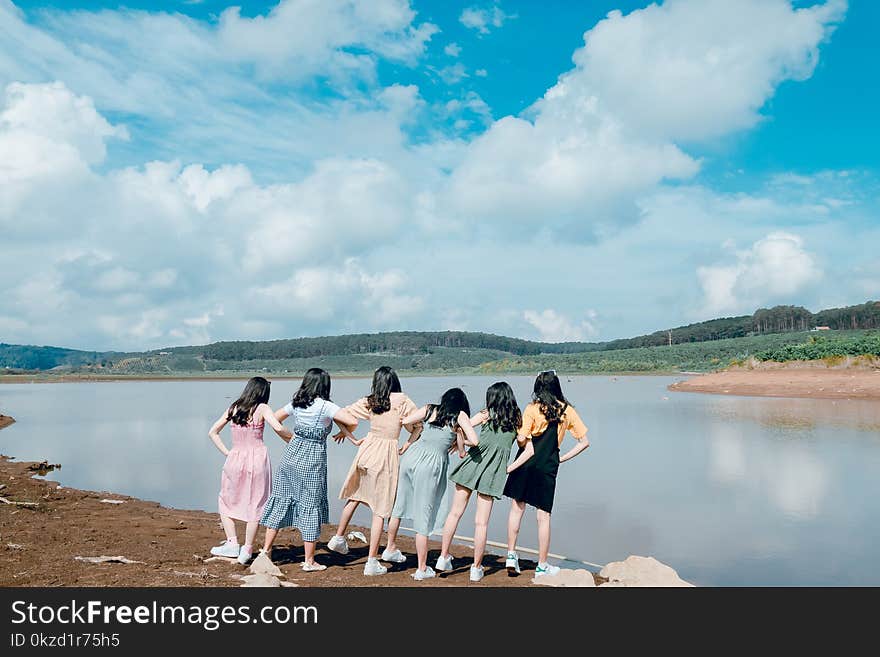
x,y
534,423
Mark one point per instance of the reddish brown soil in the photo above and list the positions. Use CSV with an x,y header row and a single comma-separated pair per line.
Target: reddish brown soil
x,y
817,383
38,544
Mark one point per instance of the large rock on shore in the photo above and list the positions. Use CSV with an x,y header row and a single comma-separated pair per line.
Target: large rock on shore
x,y
567,577
641,571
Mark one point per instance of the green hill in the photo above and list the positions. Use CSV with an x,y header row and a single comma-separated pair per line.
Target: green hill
x,y
701,346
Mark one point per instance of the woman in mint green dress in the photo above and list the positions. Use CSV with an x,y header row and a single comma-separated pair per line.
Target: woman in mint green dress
x,y
423,467
484,471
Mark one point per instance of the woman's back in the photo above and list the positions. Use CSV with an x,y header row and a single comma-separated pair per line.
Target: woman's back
x,y
385,426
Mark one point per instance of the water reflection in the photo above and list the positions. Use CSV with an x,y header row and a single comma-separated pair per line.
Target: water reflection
x,y
729,490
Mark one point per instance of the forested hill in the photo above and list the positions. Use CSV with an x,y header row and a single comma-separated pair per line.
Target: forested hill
x,y
414,350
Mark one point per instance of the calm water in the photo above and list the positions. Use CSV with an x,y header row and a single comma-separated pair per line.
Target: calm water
x,y
728,490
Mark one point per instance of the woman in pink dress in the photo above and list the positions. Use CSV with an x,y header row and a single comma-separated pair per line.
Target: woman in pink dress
x,y
247,474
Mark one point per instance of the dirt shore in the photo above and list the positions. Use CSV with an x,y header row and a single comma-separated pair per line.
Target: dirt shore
x,y
39,544
808,382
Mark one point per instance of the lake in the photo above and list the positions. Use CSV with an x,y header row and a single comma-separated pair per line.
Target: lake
x,y
727,490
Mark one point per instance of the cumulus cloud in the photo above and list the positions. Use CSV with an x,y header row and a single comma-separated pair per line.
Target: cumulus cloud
x,y
233,75
587,150
553,326
773,269
484,19
147,254
452,49
685,70
46,130
255,198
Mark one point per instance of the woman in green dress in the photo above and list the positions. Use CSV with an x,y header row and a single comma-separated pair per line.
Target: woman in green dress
x,y
484,470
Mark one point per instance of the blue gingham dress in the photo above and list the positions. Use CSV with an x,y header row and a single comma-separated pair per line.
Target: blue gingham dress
x,y
299,485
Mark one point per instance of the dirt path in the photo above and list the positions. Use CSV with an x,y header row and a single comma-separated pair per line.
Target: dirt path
x,y
38,544
814,382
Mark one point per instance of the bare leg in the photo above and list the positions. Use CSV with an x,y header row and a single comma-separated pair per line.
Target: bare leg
x,y
481,526
310,551
543,535
270,538
250,534
345,518
459,504
229,528
376,534
514,520
422,551
393,528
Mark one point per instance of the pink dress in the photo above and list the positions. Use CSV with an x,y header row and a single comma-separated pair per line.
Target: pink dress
x,y
247,474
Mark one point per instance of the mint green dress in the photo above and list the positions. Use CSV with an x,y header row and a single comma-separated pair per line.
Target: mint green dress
x,y
484,468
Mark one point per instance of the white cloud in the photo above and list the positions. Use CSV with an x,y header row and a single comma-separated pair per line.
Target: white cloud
x,y
553,326
481,73
690,70
483,19
452,49
773,269
347,290
46,130
586,151
453,74
231,77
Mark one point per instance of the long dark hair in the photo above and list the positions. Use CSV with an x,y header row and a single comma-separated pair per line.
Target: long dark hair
x,y
315,384
256,392
453,402
504,413
385,382
548,395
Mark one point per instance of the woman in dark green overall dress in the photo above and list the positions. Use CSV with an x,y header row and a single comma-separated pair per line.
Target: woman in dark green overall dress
x,y
532,478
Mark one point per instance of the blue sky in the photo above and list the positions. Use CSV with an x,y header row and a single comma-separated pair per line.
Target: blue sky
x,y
184,172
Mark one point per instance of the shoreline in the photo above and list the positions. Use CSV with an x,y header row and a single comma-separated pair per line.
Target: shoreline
x,y
46,525
789,382
54,524
112,378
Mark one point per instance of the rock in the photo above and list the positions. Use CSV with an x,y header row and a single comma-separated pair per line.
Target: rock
x,y
111,501
263,565
356,536
567,577
640,571
262,580
103,559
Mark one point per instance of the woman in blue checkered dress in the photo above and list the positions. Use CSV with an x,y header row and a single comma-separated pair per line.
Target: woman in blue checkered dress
x,y
299,485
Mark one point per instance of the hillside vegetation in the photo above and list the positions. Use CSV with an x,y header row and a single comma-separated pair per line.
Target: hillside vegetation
x,y
780,333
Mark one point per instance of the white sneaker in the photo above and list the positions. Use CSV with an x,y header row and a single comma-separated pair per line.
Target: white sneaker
x,y
512,564
245,555
373,567
476,573
226,549
427,573
546,569
313,567
444,564
393,557
338,544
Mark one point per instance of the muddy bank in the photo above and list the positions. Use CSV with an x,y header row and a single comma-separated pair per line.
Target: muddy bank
x,y
5,420
807,382
45,526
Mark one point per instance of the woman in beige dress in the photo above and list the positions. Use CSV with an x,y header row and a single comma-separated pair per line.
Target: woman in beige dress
x,y
372,478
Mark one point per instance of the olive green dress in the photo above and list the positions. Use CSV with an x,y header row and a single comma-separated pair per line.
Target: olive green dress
x,y
484,468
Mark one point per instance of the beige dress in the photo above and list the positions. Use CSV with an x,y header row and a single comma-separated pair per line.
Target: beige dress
x,y
372,478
